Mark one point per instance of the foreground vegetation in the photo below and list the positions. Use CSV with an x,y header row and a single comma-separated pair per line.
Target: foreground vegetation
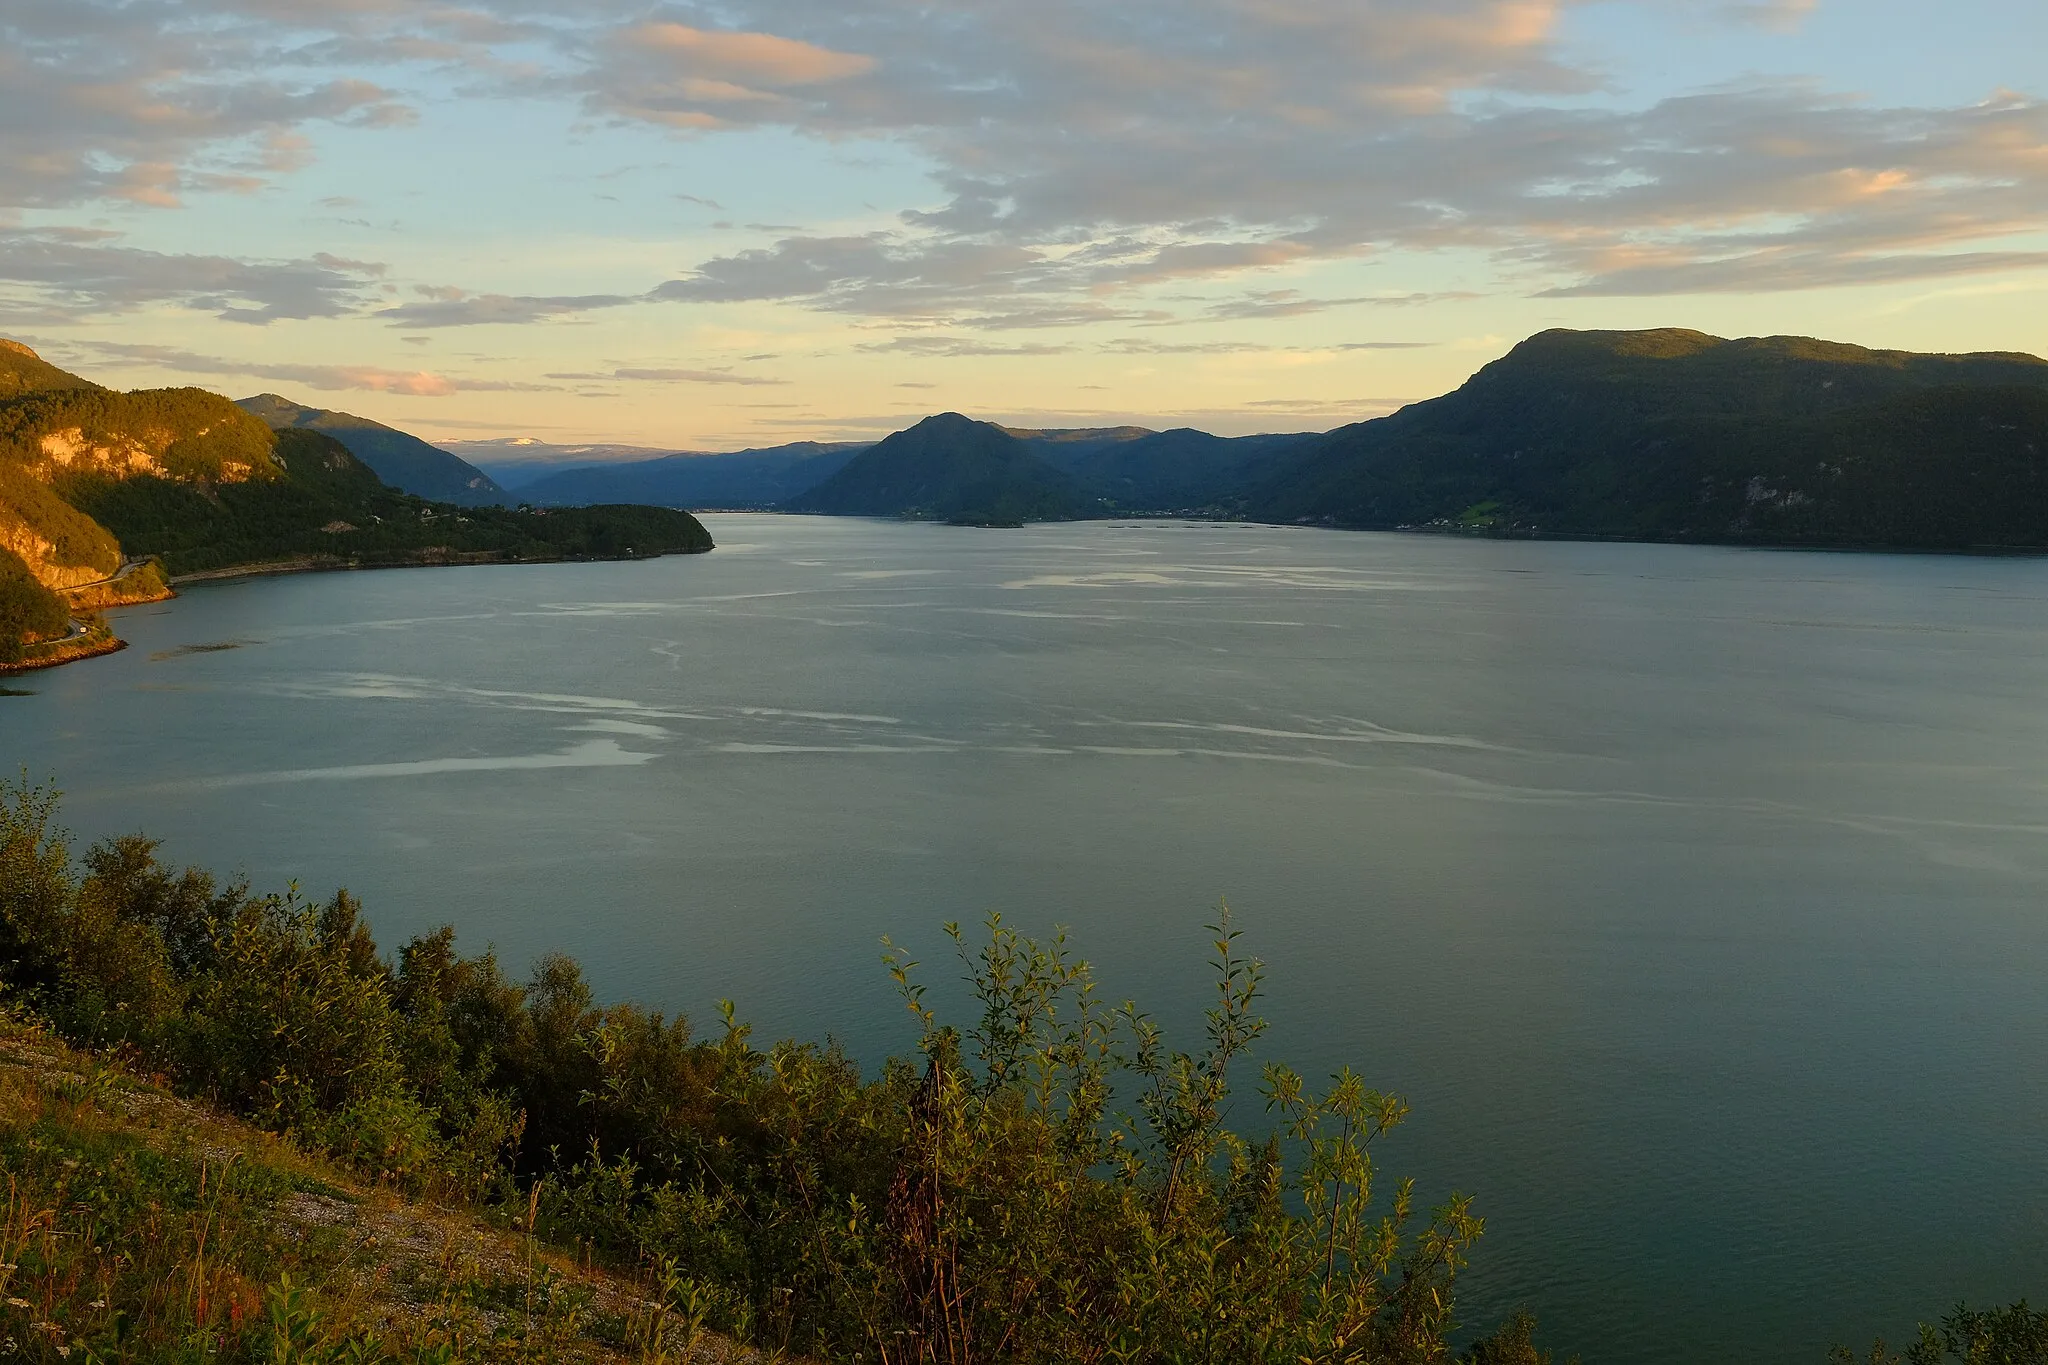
x,y
983,1202
440,1164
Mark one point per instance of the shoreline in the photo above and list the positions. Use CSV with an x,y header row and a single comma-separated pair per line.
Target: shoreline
x,y
63,652
278,568
101,640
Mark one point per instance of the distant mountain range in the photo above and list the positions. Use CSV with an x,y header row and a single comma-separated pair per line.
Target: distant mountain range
x,y
741,479
1649,435
516,461
953,468
1661,435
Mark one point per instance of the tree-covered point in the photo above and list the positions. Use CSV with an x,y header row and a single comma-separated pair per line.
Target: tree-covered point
x,y
329,507
28,610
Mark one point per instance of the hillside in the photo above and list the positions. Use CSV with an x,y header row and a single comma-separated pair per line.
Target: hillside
x,y
398,458
330,510
742,479
23,371
30,613
951,468
1682,436
1182,470
93,482
271,1253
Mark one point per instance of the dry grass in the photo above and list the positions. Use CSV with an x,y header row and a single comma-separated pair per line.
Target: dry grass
x,y
139,1226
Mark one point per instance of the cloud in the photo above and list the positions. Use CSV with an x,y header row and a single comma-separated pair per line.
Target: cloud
x,y
447,306
1081,156
1145,346
93,276
1290,303
961,346
1091,150
658,376
1779,16
874,274
1767,270
671,73
367,378
1140,346
147,103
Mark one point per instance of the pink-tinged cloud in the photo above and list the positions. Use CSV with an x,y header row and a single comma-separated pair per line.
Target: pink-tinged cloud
x,y
734,61
418,383
332,378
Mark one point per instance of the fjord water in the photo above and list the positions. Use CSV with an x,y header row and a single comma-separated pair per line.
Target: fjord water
x,y
1694,897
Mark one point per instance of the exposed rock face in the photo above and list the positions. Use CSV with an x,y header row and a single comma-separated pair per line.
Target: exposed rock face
x,y
40,556
123,456
17,348
120,457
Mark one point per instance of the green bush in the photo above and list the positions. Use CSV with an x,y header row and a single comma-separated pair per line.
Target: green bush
x,y
2015,1335
28,610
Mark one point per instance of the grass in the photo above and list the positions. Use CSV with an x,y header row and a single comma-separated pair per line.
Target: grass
x,y
136,1226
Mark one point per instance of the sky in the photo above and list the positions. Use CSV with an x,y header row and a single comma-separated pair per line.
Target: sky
x,y
709,226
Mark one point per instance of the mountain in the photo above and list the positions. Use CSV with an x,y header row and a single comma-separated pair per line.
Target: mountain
x,y
951,468
328,509
1677,435
742,479
23,371
404,461
954,468
1182,470
516,461
94,482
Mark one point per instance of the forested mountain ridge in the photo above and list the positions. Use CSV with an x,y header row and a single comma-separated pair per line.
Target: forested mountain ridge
x,y
1182,470
1677,435
951,468
735,480
398,458
23,371
93,481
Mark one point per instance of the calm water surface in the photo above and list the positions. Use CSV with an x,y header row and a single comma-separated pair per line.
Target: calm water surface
x,y
1694,897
